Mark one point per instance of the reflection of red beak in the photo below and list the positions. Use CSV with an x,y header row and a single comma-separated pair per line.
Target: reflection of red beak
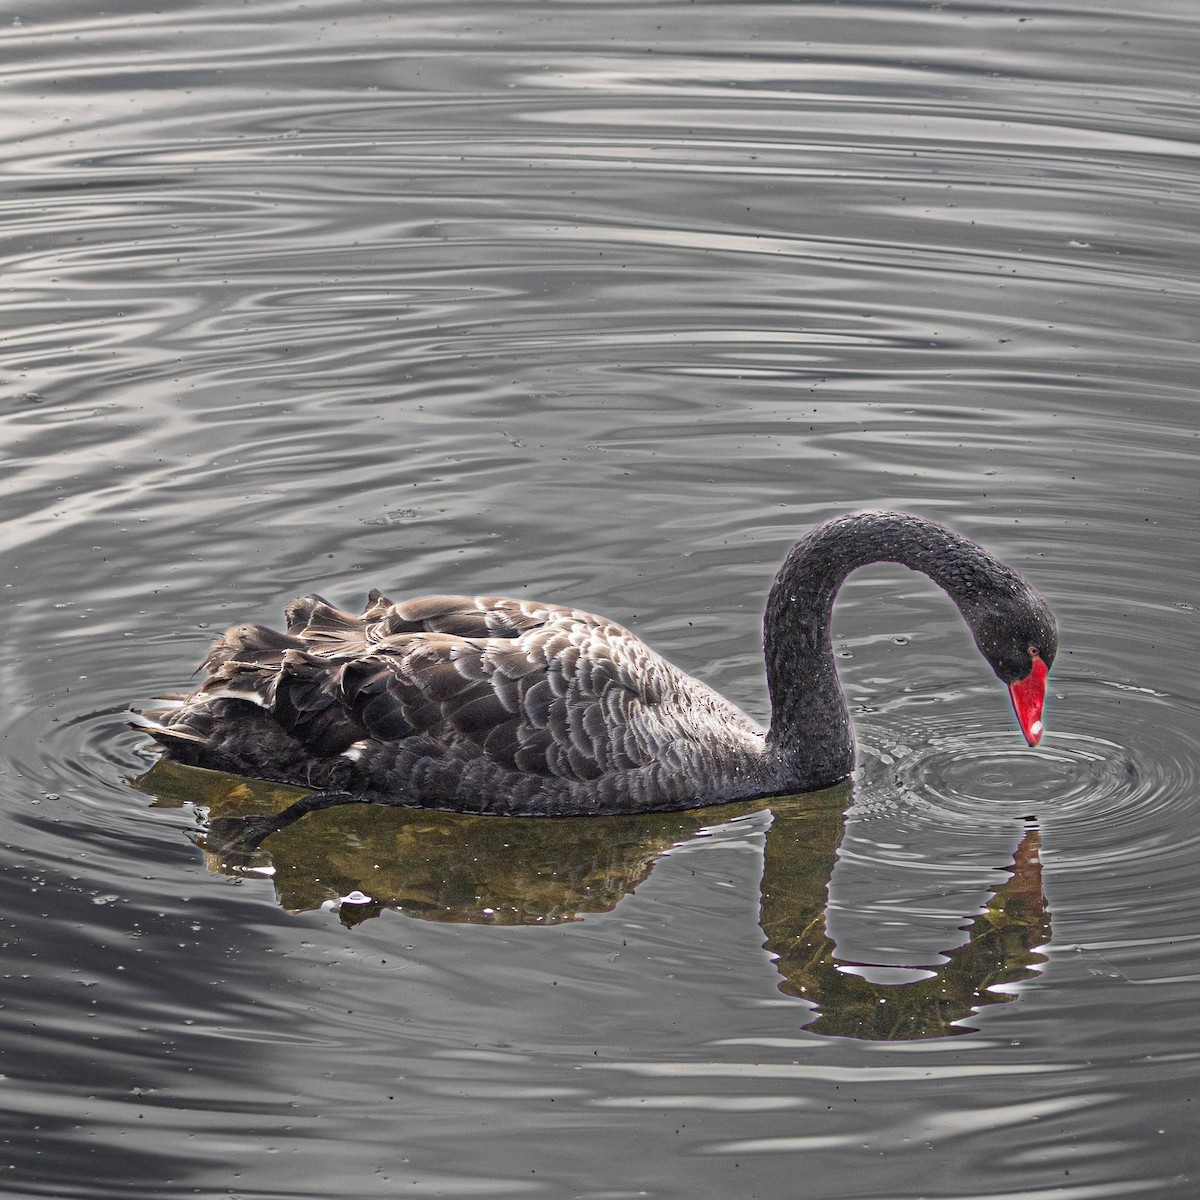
x,y
1028,696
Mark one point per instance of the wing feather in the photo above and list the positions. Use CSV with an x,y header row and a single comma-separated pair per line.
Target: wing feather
x,y
472,686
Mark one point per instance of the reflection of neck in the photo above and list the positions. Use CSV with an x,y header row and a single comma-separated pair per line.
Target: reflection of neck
x,y
800,854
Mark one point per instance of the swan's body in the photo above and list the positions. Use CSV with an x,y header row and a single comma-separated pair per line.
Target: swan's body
x,y
483,704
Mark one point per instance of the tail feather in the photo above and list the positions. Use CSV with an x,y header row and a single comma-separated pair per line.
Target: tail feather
x,y
377,605
314,615
272,703
248,643
165,735
252,682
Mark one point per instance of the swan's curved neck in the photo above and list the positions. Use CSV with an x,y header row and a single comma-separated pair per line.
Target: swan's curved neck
x,y
811,731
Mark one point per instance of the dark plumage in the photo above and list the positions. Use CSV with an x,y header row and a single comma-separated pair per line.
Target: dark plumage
x,y
483,704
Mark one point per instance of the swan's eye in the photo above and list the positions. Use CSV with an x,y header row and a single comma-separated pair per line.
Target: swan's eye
x,y
1034,652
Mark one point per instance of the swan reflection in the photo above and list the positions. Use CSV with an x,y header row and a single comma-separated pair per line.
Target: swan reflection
x,y
461,868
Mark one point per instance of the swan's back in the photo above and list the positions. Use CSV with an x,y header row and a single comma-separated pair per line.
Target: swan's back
x,y
479,704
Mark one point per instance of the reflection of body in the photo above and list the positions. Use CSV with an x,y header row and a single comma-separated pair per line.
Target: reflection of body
x,y
483,704
487,870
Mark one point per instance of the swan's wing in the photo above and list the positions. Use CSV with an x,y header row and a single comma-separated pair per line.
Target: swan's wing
x,y
530,687
467,616
316,625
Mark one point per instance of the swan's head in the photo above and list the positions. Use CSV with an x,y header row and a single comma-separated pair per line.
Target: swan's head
x,y
1016,632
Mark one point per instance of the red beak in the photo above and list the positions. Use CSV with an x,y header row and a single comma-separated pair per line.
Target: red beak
x,y
1028,696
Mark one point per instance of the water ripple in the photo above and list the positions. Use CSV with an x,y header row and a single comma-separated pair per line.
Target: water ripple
x,y
1087,778
316,295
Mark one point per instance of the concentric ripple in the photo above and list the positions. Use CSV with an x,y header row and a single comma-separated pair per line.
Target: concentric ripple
x,y
1110,790
985,768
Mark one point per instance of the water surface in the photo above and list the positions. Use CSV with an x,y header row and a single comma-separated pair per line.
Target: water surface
x,y
602,304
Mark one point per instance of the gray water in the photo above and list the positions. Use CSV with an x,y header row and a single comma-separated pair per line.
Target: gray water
x,y
603,304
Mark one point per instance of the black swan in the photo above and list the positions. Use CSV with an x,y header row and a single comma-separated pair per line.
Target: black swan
x,y
481,704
